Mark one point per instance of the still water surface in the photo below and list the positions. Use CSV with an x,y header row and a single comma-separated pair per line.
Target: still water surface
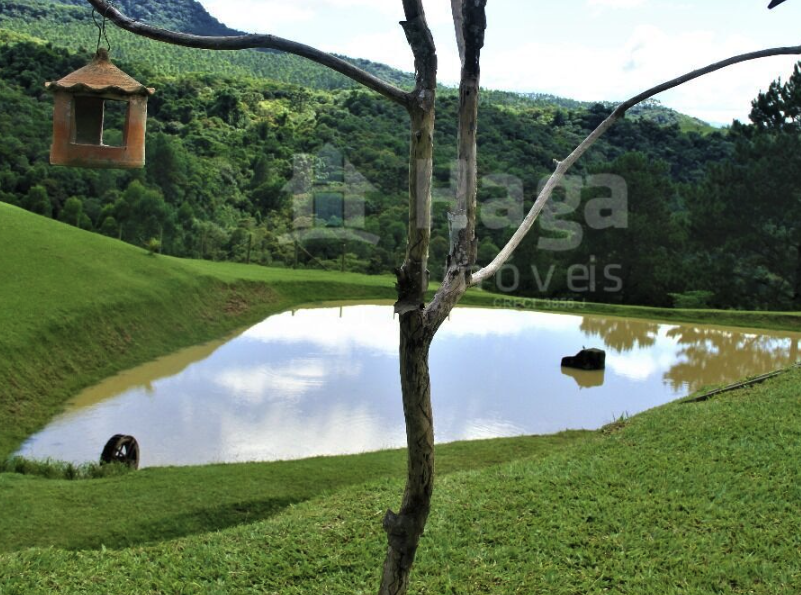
x,y
325,381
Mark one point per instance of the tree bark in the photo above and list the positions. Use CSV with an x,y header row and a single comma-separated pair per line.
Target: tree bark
x,y
405,529
413,274
471,23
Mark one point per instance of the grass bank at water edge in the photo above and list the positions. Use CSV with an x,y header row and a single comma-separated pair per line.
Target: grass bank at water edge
x,y
76,307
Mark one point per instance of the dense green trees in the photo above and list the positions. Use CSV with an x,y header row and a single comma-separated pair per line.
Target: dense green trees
x,y
713,213
746,215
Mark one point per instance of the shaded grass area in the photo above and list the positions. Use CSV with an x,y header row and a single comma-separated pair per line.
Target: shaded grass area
x,y
683,499
164,503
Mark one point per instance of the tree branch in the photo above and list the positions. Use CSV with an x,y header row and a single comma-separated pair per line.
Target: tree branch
x,y
243,42
620,112
471,22
458,24
418,34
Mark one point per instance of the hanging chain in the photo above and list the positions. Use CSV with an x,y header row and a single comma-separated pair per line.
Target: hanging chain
x,y
101,26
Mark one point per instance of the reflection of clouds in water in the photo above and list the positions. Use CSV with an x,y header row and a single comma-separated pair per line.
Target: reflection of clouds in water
x,y
325,382
371,327
637,366
375,328
285,433
642,363
289,379
474,322
480,429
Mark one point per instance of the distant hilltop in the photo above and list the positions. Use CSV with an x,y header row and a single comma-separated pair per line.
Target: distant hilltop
x,y
55,20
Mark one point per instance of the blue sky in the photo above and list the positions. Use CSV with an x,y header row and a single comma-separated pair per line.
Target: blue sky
x,y
583,49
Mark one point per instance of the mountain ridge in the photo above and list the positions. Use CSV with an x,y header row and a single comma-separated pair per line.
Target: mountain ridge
x,y
190,16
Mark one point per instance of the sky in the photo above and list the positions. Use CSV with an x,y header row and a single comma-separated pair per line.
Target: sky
x,y
582,49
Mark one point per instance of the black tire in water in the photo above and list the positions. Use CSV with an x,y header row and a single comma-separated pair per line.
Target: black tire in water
x,y
121,449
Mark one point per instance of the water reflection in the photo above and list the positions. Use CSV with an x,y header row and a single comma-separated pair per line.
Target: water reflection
x,y
711,356
621,334
586,378
325,381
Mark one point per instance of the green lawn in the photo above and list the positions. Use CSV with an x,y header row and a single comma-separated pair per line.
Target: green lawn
x,y
163,503
684,499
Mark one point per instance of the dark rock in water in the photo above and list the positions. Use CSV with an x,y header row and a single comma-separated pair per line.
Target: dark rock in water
x,y
586,359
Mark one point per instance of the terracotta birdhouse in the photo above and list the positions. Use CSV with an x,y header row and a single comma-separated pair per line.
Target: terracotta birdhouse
x,y
99,118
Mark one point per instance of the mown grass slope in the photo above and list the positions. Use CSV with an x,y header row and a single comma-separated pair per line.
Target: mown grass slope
x,y
684,499
157,504
76,307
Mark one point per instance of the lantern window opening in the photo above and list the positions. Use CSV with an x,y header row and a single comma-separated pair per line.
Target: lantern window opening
x,y
100,121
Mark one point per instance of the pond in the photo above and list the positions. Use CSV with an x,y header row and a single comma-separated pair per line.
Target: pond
x,y
325,382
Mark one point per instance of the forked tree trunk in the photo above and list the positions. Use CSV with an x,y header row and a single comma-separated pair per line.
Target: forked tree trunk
x,y
405,528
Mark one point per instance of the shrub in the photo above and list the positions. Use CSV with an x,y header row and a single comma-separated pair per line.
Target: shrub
x,y
153,246
51,469
692,300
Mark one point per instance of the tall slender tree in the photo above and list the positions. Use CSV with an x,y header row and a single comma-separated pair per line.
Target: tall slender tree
x,y
419,321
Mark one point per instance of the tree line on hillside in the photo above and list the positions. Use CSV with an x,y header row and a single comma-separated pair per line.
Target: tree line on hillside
x,y
711,220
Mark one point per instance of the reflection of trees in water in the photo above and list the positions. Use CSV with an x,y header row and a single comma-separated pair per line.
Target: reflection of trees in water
x,y
621,334
721,357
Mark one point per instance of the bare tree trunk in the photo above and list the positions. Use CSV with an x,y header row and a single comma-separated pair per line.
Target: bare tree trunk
x,y
405,528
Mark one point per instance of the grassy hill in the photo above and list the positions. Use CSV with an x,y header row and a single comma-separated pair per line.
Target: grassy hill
x,y
700,498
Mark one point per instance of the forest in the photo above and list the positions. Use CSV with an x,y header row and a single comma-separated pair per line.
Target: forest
x,y
712,216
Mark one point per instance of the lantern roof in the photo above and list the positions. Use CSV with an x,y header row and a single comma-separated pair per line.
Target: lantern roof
x,y
100,76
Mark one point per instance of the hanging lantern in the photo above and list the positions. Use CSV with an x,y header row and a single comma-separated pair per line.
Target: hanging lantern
x,y
99,117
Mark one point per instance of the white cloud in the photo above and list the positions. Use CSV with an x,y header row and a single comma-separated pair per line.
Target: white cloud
x,y
258,16
648,57
589,62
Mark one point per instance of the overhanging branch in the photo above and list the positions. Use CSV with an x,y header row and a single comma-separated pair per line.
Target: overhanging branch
x,y
244,42
563,166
